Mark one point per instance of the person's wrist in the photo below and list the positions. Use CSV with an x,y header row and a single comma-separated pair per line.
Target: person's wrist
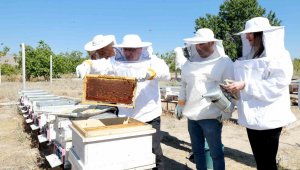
x,y
181,103
242,85
152,74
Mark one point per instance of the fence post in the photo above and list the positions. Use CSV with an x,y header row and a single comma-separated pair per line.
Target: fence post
x,y
298,82
51,69
23,64
0,73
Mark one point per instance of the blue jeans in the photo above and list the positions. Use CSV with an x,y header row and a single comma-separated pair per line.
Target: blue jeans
x,y
209,129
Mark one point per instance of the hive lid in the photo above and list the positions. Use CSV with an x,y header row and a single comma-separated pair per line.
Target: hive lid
x,y
109,90
110,126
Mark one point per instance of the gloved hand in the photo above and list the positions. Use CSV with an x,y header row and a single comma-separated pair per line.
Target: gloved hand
x,y
150,75
83,69
178,112
224,116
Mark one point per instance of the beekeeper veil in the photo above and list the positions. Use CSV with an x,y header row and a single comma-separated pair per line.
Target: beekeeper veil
x,y
136,68
273,37
133,41
204,35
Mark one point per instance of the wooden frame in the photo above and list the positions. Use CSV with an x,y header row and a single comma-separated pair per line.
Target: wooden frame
x,y
110,126
90,82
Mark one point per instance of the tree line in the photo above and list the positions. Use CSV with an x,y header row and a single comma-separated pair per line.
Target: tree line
x,y
38,62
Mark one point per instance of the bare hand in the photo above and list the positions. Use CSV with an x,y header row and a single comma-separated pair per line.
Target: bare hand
x,y
234,87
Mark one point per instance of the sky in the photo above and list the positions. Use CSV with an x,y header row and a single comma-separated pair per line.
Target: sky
x,y
67,25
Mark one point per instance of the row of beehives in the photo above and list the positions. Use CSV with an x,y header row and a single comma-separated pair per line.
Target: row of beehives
x,y
50,118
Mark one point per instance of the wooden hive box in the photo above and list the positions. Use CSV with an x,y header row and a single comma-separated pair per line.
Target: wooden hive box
x,y
113,143
109,90
110,126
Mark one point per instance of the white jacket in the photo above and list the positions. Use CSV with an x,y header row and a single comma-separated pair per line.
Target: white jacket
x,y
265,101
197,78
147,101
148,104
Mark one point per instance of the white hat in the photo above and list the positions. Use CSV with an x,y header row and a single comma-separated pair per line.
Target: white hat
x,y
258,24
203,35
99,41
132,41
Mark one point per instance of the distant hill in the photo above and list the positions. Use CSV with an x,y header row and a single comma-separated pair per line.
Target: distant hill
x,y
8,59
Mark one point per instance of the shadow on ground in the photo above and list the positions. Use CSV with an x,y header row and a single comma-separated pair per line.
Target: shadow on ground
x,y
234,154
174,165
240,156
174,142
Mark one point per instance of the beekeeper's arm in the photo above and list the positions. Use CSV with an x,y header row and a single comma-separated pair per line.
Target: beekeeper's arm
x,y
182,93
228,72
161,69
84,68
181,99
275,80
101,66
158,70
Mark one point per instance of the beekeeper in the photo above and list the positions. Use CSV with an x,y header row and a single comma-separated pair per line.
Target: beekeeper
x,y
262,78
207,67
100,47
134,58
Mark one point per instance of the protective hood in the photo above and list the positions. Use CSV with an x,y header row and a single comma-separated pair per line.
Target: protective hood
x,y
218,50
273,39
145,55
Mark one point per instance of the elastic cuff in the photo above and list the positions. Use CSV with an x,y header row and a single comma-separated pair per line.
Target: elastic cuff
x,y
181,103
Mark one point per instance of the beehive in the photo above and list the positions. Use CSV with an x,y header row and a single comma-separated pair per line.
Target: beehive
x,y
114,143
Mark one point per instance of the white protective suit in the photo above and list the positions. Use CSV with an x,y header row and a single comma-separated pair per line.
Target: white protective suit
x,y
83,69
148,104
200,75
265,101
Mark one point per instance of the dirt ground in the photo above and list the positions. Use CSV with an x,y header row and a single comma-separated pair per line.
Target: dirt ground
x,y
238,155
18,151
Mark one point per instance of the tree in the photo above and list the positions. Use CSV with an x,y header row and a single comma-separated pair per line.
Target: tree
x,y
4,51
296,64
70,61
37,61
231,19
169,58
7,69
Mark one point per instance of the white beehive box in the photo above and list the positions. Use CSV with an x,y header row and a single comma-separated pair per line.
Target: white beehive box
x,y
23,93
55,106
34,101
111,144
26,97
63,131
30,91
